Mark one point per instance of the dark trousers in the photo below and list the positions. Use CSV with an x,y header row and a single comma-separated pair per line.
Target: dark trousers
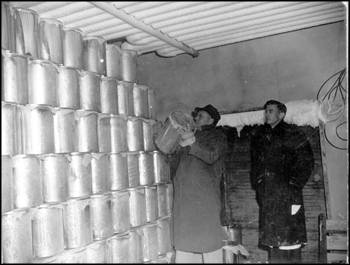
x,y
276,255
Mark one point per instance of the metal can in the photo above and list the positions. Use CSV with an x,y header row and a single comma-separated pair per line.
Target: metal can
x,y
133,169
68,87
73,47
100,173
86,126
151,203
104,132
118,133
80,175
137,206
129,66
8,33
90,97
64,127
120,211
162,200
118,248
10,129
101,216
148,133
135,245
94,55
125,98
161,168
146,169
6,184
150,242
114,61
135,134
170,196
152,104
164,245
140,96
118,171
72,256
109,95
97,252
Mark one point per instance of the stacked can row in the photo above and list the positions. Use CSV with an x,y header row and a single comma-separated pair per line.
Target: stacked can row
x,y
25,33
80,232
27,81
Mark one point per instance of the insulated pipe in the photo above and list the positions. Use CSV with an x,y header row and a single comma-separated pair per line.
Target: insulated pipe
x,y
145,28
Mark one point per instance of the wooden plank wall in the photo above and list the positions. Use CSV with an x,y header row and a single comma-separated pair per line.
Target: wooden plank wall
x,y
242,206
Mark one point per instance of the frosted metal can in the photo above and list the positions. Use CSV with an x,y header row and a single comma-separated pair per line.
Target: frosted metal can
x,y
73,47
104,132
15,78
86,131
94,55
10,129
77,223
47,229
80,175
42,82
161,167
120,211
16,236
125,98
164,245
135,134
114,61
64,127
6,184
146,169
50,40
135,245
55,172
170,196
148,133
101,216
38,134
152,104
97,252
109,95
118,133
27,31
150,242
129,66
118,248
140,96
100,173
72,256
133,169
119,171
151,203
8,38
162,200
137,206
27,181
68,87
89,91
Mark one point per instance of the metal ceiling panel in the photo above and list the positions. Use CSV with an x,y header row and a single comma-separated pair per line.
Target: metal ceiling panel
x,y
172,28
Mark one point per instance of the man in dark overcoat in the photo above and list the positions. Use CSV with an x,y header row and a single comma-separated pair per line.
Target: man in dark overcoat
x,y
197,167
281,164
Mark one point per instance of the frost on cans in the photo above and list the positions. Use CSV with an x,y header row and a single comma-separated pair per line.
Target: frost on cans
x,y
114,61
97,252
137,207
133,169
140,96
118,133
64,127
129,65
148,134
164,245
118,171
68,87
125,98
89,91
146,168
118,248
151,203
120,211
86,131
162,200
73,47
94,55
104,132
101,216
135,245
109,95
135,134
10,129
161,167
150,242
6,184
100,173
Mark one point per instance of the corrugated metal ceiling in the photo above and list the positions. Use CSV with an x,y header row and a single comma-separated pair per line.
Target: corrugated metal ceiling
x,y
172,28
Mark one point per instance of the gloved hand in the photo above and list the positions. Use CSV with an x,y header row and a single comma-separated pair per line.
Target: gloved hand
x,y
186,135
188,141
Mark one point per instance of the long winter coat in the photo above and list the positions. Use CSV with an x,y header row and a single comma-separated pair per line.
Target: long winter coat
x,y
281,164
195,221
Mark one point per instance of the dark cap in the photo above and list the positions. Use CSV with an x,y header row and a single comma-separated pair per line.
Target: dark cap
x,y
211,110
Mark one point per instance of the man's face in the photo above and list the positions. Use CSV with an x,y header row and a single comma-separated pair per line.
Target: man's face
x,y
273,115
202,118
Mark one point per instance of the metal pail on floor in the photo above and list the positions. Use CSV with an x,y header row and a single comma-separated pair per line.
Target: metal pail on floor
x,y
161,167
137,206
118,133
94,55
64,127
109,95
148,133
118,248
120,211
73,47
68,88
140,96
55,172
129,66
114,61
133,169
50,40
10,129
152,104
101,216
80,175
86,131
150,242
151,203
146,169
162,200
100,173
104,132
135,134
118,171
6,184
89,90
97,252
125,98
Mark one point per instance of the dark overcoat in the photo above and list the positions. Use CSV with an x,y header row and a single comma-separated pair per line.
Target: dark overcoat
x,y
281,164
195,220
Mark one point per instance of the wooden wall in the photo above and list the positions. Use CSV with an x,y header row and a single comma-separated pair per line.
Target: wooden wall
x,y
241,206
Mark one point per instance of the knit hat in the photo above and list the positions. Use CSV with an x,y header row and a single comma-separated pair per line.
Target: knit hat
x,y
211,110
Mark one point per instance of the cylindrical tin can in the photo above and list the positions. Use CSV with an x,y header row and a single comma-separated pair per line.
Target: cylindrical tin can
x,y
42,82
94,56
80,175
15,78
27,181
68,87
77,223
133,169
72,256
114,61
55,170
109,95
86,131
161,167
101,216
162,200
137,206
104,132
50,40
164,245
73,47
135,134
97,252
38,129
48,233
148,133
121,211
90,98
170,196
135,245
6,184
64,127
151,203
10,129
118,248
100,173
152,104
16,236
140,96
8,38
146,169
118,133
150,242
118,171
125,98
27,31
129,66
